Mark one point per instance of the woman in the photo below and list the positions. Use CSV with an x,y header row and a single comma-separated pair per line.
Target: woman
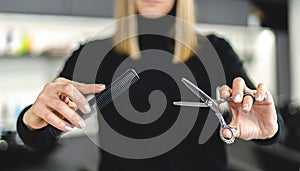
x,y
63,96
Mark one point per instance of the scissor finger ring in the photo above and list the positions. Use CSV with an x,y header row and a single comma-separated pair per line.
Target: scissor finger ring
x,y
223,126
232,130
251,95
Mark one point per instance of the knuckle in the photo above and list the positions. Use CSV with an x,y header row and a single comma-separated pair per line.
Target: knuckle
x,y
59,80
47,86
35,109
41,99
68,87
42,96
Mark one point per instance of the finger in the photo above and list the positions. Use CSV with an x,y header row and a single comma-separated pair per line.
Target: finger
x,y
268,98
225,92
64,99
75,90
67,100
83,88
261,92
70,91
247,103
72,105
227,133
89,88
238,88
55,121
68,113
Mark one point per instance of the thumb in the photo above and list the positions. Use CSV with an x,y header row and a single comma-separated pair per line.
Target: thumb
x,y
227,132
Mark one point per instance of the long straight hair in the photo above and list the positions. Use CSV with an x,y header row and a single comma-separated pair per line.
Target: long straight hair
x,y
126,40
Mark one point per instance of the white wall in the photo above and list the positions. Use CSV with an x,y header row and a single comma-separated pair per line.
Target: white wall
x,y
21,80
294,26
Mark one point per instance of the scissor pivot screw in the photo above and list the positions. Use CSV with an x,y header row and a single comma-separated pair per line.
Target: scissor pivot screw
x,y
209,103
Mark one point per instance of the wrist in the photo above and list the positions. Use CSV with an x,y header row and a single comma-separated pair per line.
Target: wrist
x,y
31,121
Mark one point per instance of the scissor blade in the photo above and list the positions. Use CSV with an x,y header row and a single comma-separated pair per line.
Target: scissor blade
x,y
200,94
190,104
197,91
193,88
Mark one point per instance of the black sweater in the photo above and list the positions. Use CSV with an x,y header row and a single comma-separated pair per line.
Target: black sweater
x,y
188,154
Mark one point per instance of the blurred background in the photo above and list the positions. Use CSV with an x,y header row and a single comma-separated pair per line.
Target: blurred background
x,y
37,36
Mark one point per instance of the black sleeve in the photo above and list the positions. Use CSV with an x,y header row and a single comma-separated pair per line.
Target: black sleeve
x,y
232,64
37,139
233,68
42,138
277,136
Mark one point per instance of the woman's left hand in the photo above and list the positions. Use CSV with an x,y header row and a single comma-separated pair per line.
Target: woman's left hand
x,y
252,121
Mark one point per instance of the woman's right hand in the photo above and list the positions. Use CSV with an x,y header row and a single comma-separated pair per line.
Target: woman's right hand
x,y
58,100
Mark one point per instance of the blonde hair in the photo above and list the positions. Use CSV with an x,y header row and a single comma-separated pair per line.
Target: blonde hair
x,y
126,40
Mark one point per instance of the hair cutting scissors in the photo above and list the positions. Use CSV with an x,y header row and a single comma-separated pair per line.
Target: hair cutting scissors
x,y
214,105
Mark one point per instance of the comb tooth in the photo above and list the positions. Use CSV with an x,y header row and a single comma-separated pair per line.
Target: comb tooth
x,y
102,99
117,88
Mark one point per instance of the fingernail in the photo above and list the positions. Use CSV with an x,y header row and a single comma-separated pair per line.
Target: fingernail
x,y
68,128
245,107
82,123
87,108
237,98
102,86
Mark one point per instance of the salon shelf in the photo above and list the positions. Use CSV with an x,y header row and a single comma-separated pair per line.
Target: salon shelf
x,y
32,57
